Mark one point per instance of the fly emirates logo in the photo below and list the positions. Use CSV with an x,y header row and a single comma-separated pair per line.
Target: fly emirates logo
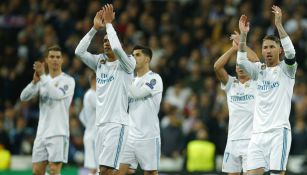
x,y
241,98
104,78
266,86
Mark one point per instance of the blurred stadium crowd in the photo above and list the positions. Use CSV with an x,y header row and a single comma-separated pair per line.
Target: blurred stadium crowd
x,y
186,37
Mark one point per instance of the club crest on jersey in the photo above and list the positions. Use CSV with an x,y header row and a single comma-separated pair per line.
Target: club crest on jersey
x,y
65,87
102,61
152,83
246,85
263,67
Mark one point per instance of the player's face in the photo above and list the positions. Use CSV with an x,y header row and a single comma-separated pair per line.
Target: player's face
x,y
54,60
106,45
270,52
140,58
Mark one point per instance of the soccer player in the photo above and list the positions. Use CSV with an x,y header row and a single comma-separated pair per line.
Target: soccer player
x,y
87,118
55,92
143,144
271,139
114,74
241,93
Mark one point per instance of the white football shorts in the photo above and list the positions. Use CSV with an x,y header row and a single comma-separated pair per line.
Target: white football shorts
x,y
51,149
269,150
110,141
144,152
235,156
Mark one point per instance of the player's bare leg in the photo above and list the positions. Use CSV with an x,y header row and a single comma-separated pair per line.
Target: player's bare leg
x,y
55,168
155,172
123,169
258,171
39,168
92,171
104,170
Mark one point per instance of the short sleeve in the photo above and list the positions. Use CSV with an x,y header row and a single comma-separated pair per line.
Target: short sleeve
x,y
227,86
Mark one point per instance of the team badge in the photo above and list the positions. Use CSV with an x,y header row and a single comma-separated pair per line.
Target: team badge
x,y
152,83
247,85
102,61
263,67
65,87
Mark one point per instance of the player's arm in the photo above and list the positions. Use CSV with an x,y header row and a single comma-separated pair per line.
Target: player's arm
x,y
289,65
63,90
138,92
250,68
89,59
127,62
92,100
82,117
251,55
219,69
151,87
31,90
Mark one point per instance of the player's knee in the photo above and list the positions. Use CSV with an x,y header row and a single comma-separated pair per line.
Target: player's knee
x,y
38,171
151,172
107,171
55,169
130,171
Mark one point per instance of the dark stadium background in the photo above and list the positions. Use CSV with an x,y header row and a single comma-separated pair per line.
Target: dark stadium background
x,y
187,36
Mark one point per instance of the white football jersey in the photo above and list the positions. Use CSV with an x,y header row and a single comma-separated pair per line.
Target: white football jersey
x,y
112,78
241,103
55,96
144,121
88,113
274,90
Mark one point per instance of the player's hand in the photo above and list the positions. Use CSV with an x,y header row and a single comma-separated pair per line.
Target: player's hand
x,y
278,15
108,14
39,68
244,24
235,37
36,78
98,20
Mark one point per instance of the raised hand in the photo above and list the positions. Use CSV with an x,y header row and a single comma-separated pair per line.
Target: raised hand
x,y
39,68
98,20
244,24
278,15
235,37
36,78
108,14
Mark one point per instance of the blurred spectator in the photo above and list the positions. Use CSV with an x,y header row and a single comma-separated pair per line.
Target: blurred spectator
x,y
171,135
5,157
201,153
4,137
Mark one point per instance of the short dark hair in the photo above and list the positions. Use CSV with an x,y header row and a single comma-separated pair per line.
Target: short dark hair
x,y
146,50
272,38
53,48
